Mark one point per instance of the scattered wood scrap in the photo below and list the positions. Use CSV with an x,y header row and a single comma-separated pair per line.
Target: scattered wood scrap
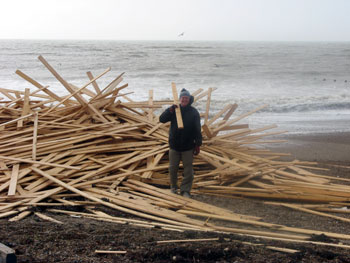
x,y
7,255
96,146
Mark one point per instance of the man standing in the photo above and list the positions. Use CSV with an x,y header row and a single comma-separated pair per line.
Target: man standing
x,y
184,143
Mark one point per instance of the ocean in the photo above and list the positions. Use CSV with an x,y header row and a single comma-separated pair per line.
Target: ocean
x,y
306,85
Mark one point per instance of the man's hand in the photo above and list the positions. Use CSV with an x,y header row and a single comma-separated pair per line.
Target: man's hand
x,y
196,150
172,108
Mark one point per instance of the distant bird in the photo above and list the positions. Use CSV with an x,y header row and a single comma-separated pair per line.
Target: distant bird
x,y
181,35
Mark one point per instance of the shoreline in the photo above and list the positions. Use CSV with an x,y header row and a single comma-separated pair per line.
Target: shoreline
x,y
319,147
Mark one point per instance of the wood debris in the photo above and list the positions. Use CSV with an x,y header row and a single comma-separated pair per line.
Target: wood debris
x,y
96,146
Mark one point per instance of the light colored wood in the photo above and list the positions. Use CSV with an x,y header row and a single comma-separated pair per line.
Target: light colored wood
x,y
75,93
16,120
114,206
35,136
7,94
150,103
20,216
303,241
47,218
110,252
13,181
218,115
207,108
283,249
239,118
94,83
156,127
187,240
100,215
179,121
38,162
113,84
235,127
225,160
85,91
202,95
230,112
316,212
207,131
41,87
25,109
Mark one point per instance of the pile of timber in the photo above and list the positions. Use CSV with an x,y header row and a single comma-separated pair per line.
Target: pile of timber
x,y
101,145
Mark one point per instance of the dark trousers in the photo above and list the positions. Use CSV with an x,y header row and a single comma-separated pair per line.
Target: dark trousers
x,y
187,160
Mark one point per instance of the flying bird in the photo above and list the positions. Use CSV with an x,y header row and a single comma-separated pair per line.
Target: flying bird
x,y
181,35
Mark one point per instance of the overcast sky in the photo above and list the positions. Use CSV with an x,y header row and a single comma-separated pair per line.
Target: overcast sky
x,y
257,20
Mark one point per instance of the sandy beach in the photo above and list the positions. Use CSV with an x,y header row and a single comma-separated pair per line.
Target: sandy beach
x,y
319,147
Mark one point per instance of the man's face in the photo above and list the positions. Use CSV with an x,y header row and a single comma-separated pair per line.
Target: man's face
x,y
184,100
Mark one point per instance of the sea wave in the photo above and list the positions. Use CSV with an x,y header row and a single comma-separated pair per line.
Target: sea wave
x,y
307,107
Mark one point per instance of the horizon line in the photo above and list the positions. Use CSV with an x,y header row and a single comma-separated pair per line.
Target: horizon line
x,y
166,40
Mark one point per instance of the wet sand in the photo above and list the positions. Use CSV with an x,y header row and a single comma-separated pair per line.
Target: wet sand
x,y
320,147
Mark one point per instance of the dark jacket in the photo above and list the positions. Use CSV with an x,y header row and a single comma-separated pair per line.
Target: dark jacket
x,y
190,136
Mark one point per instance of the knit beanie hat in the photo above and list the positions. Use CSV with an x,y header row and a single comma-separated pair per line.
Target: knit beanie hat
x,y
185,92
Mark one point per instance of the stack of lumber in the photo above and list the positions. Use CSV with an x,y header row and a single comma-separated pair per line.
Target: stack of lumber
x,y
101,145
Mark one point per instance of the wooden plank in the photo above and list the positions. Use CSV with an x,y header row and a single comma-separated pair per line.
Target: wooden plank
x,y
150,103
38,162
47,218
302,241
154,162
15,120
100,215
182,201
7,255
7,94
85,91
112,85
76,95
23,173
188,240
196,92
35,136
13,181
41,87
94,83
179,121
302,178
156,127
229,113
207,108
225,160
180,221
235,127
25,109
196,98
218,115
20,216
306,210
207,131
239,118
119,252
6,170
115,95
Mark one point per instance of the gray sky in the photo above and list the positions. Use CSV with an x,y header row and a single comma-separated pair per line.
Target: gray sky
x,y
257,20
